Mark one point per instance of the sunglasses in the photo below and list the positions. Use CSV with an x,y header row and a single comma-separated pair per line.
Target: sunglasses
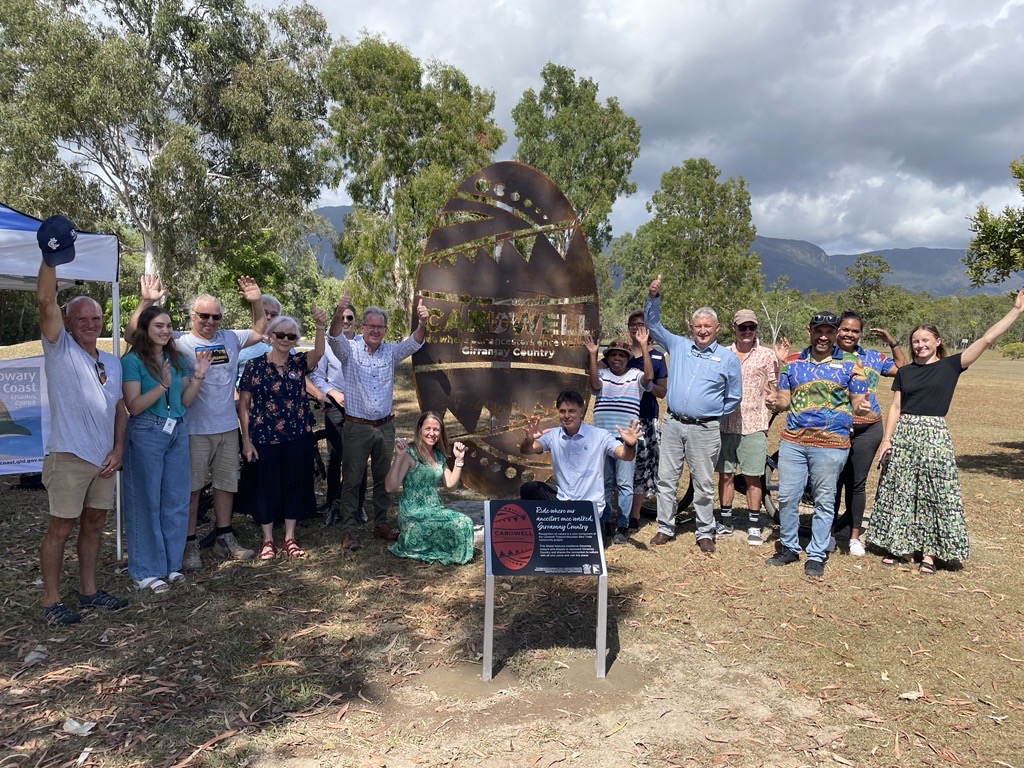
x,y
208,316
637,325
101,372
747,327
348,318
289,336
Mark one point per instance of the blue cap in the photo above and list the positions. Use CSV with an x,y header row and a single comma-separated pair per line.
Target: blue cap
x,y
56,238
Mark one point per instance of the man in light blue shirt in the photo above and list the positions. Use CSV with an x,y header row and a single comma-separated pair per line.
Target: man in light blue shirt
x,y
577,452
704,384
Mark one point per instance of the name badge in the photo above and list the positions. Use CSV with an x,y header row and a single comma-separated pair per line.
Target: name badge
x,y
716,359
835,365
169,426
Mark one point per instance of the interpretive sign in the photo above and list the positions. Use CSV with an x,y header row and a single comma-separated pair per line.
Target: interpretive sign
x,y
509,282
543,538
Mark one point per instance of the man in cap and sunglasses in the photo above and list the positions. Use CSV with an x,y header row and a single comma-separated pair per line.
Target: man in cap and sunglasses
x,y
745,430
213,418
819,390
87,428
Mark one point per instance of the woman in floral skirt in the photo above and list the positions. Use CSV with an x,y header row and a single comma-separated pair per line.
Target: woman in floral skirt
x,y
918,507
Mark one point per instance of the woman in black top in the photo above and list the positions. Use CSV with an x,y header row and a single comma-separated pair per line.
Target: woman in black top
x,y
918,507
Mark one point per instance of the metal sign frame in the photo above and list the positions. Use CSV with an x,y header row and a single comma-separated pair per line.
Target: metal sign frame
x,y
584,541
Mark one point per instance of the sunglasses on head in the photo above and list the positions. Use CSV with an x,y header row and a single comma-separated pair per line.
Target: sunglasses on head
x,y
747,327
208,316
289,336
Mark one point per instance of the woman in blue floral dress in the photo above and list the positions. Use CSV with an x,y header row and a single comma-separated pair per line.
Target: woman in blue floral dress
x,y
427,530
277,432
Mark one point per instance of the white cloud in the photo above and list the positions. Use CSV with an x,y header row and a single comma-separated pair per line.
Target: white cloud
x,y
856,124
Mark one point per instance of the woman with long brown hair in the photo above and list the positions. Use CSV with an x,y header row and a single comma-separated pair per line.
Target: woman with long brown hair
x,y
918,507
427,529
158,386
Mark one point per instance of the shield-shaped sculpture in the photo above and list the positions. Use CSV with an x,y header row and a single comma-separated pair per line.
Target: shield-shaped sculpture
x,y
510,285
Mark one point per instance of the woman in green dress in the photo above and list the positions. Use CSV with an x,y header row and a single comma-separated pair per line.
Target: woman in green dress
x,y
427,530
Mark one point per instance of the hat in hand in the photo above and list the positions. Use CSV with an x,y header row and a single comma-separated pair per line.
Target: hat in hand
x,y
56,238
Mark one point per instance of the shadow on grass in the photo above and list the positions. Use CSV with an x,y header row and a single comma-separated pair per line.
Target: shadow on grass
x,y
1007,464
248,647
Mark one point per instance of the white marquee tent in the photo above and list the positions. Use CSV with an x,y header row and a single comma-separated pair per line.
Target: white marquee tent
x,y
96,260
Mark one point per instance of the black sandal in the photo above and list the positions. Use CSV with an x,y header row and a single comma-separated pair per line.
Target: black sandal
x,y
101,599
926,568
58,615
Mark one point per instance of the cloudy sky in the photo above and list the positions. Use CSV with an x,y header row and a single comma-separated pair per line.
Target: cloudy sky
x,y
857,125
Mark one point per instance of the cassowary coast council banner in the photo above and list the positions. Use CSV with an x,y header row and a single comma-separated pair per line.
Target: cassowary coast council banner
x,y
24,415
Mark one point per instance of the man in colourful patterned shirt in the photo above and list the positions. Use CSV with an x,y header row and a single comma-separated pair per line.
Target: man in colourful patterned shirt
x,y
820,388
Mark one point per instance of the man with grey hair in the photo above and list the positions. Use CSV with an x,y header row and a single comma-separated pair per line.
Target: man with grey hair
x,y
368,366
213,421
704,384
87,428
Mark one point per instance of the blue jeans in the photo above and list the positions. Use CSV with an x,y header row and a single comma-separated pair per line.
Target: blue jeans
x,y
157,487
618,474
797,463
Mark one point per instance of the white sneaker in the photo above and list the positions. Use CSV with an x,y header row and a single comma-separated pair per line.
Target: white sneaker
x,y
754,538
856,548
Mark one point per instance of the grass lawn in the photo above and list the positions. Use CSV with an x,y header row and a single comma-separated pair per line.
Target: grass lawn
x,y
364,659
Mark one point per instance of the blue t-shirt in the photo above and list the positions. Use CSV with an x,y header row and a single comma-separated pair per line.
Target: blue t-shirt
x,y
133,369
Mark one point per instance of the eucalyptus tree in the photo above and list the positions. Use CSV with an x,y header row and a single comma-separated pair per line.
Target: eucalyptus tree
x,y
403,135
199,124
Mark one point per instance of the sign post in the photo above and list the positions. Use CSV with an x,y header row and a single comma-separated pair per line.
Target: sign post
x,y
543,538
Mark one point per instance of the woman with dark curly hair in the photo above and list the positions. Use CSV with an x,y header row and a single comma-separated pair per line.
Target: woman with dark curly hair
x,y
918,507
427,530
867,428
157,387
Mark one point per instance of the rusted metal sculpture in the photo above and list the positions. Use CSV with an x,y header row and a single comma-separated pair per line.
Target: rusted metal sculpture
x,y
510,285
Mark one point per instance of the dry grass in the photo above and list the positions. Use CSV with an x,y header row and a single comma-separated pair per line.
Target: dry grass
x,y
365,659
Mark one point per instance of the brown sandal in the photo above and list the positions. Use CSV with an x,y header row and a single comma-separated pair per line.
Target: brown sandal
x,y
292,548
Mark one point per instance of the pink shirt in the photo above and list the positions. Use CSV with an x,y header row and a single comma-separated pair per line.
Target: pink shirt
x,y
759,368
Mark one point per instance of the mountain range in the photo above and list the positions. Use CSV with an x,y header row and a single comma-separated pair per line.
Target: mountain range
x,y
938,271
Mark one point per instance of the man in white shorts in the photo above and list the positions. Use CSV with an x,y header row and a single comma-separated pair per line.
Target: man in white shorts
x,y
212,418
87,426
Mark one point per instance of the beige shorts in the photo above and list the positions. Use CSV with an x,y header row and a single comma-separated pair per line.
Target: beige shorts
x,y
216,457
74,484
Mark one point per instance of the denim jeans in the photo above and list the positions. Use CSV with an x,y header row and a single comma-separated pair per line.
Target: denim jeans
x,y
157,487
699,445
797,463
618,474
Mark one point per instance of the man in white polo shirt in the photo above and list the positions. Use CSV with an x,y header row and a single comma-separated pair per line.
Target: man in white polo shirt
x,y
87,426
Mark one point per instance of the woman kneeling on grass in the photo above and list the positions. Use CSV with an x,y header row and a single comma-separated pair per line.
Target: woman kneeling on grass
x,y
427,530
277,433
918,507
157,388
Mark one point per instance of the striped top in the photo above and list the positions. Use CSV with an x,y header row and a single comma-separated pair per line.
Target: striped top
x,y
618,400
